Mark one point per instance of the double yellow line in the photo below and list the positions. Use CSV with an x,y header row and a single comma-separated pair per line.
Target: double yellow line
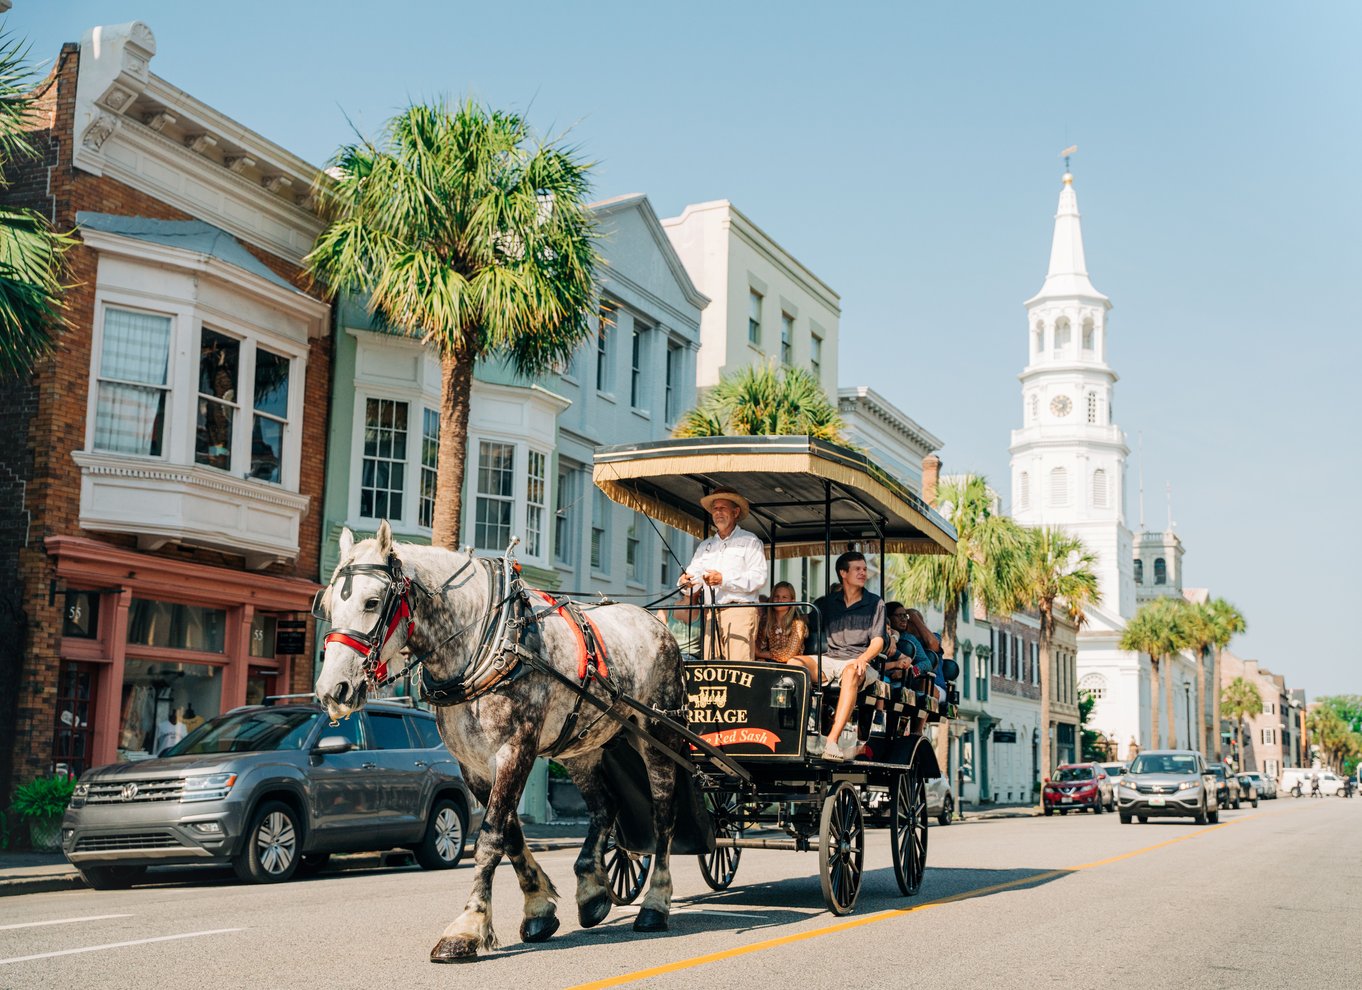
x,y
871,919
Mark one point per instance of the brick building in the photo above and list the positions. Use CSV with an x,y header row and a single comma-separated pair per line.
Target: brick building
x,y
160,472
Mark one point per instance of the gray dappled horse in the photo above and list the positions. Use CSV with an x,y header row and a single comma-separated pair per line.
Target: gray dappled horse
x,y
385,596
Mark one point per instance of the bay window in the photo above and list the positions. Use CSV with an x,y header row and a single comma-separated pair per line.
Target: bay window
x,y
133,383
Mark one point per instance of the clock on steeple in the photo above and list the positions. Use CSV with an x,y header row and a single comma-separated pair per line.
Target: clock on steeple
x,y
1061,405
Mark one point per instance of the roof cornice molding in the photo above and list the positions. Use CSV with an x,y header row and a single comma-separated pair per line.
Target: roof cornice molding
x,y
865,397
640,203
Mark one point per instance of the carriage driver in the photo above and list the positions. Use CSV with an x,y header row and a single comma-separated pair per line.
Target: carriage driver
x,y
733,564
853,635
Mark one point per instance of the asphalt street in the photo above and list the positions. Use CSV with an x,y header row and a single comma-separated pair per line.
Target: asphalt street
x,y
1268,898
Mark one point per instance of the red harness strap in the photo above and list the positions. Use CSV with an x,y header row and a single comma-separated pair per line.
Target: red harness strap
x,y
595,662
403,611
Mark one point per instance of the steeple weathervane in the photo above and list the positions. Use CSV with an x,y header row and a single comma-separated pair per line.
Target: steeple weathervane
x,y
1070,150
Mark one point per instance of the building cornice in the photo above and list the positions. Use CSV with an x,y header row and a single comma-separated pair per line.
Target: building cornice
x,y
1066,367
864,397
640,203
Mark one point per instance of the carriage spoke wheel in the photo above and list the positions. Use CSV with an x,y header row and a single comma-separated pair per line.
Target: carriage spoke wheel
x,y
908,833
626,872
841,848
720,866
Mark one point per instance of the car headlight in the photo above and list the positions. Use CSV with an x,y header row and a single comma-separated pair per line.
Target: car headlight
x,y
1187,785
213,787
1128,783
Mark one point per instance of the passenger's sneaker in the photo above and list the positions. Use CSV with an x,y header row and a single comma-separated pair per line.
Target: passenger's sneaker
x,y
831,751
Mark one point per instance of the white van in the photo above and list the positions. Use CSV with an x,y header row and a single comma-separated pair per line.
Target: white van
x,y
1330,783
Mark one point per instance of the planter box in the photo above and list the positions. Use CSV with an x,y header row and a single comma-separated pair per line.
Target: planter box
x,y
44,834
566,799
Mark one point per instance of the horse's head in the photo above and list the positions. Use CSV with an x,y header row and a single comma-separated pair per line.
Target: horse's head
x,y
366,604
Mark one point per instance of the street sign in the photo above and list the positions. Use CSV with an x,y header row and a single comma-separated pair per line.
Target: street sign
x,y
290,637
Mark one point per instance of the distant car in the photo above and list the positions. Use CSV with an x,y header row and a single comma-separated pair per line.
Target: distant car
x,y
1078,785
1248,788
1168,783
1227,785
940,801
1299,777
272,791
1114,772
1266,786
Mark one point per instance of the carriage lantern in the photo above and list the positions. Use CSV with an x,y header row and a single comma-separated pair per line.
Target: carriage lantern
x,y
783,693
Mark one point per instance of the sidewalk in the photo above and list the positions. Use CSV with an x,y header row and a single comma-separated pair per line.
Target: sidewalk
x,y
35,872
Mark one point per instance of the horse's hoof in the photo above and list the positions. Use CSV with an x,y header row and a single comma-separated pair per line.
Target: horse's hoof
x,y
538,929
593,912
650,920
460,948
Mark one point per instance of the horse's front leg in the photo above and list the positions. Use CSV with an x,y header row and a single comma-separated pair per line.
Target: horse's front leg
x,y
593,892
541,912
472,929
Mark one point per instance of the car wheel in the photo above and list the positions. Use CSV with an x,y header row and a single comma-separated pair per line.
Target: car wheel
x,y
1097,806
112,877
1255,802
271,851
1049,811
946,808
1214,817
1144,819
1200,817
446,834
1063,811
1125,819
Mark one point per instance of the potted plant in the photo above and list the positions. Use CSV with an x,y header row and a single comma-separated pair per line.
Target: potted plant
x,y
41,803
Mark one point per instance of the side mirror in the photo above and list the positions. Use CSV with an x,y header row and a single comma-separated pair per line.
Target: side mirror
x,y
1047,780
332,744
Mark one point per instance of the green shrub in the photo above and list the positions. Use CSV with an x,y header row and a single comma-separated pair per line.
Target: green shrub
x,y
44,798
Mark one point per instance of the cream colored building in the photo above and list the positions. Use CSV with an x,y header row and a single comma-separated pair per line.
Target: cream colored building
x,y
765,305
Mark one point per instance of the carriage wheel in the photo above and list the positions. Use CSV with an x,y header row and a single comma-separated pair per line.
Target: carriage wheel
x,y
908,834
720,866
626,872
841,848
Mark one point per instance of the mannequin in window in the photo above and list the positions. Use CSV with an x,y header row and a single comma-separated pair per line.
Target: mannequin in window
x,y
190,719
168,732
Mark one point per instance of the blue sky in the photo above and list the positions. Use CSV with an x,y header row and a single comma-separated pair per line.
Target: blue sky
x,y
907,153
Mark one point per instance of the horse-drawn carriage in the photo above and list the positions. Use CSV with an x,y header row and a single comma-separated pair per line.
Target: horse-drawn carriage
x,y
770,789
718,755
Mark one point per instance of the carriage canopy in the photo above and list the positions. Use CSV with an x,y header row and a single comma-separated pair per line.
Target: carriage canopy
x,y
803,492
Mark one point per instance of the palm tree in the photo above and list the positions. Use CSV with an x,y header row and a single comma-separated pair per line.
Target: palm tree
x,y
1055,569
1201,631
30,251
763,400
1158,629
1240,699
1226,622
466,231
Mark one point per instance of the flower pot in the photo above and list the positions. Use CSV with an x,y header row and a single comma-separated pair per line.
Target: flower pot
x,y
44,834
566,799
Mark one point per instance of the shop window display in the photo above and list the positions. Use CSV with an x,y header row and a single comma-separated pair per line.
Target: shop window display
x,y
179,627
163,702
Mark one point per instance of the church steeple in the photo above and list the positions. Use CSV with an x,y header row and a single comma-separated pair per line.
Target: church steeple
x,y
1068,274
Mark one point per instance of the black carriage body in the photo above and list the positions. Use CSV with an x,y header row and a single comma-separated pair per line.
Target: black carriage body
x,y
751,711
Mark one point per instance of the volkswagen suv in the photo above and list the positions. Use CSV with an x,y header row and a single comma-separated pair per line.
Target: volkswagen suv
x,y
271,791
1168,783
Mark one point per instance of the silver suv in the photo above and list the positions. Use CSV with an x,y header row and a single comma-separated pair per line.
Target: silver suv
x,y
272,791
1168,783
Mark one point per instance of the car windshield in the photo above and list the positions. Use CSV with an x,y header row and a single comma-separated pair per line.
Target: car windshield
x,y
1163,763
1073,773
1114,771
248,732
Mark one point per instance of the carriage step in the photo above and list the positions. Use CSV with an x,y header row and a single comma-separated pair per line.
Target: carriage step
x,y
743,843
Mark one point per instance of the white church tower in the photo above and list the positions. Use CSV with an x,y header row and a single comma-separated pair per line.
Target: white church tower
x,y
1069,457
1069,469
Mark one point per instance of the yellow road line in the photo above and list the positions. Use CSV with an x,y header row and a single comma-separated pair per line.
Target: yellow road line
x,y
772,943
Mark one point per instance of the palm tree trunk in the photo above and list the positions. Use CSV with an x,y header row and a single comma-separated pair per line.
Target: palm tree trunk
x,y
1200,704
1046,633
1215,706
456,392
1172,727
1154,665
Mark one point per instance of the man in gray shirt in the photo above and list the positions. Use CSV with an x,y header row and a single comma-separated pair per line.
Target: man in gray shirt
x,y
853,635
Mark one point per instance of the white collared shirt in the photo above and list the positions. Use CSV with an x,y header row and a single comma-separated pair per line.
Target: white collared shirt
x,y
741,562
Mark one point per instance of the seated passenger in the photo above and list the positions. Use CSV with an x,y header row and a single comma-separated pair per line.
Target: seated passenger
x,y
853,636
782,633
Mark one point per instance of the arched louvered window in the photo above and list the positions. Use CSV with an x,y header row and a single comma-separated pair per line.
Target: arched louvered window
x,y
1035,407
1099,488
1062,335
1092,407
1038,338
1059,487
1024,489
1160,571
1089,335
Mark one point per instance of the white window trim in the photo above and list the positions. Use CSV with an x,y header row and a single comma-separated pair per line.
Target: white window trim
x,y
520,493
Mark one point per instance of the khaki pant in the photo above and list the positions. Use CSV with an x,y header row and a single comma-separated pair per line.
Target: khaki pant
x,y
738,633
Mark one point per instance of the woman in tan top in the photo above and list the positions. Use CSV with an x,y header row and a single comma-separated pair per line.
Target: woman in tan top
x,y
782,633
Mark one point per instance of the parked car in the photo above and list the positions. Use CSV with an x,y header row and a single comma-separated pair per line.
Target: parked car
x,y
940,801
1168,783
1265,785
1114,772
272,791
1078,785
1299,777
1248,788
1227,785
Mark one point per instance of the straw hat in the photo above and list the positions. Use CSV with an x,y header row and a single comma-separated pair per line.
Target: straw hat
x,y
742,504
